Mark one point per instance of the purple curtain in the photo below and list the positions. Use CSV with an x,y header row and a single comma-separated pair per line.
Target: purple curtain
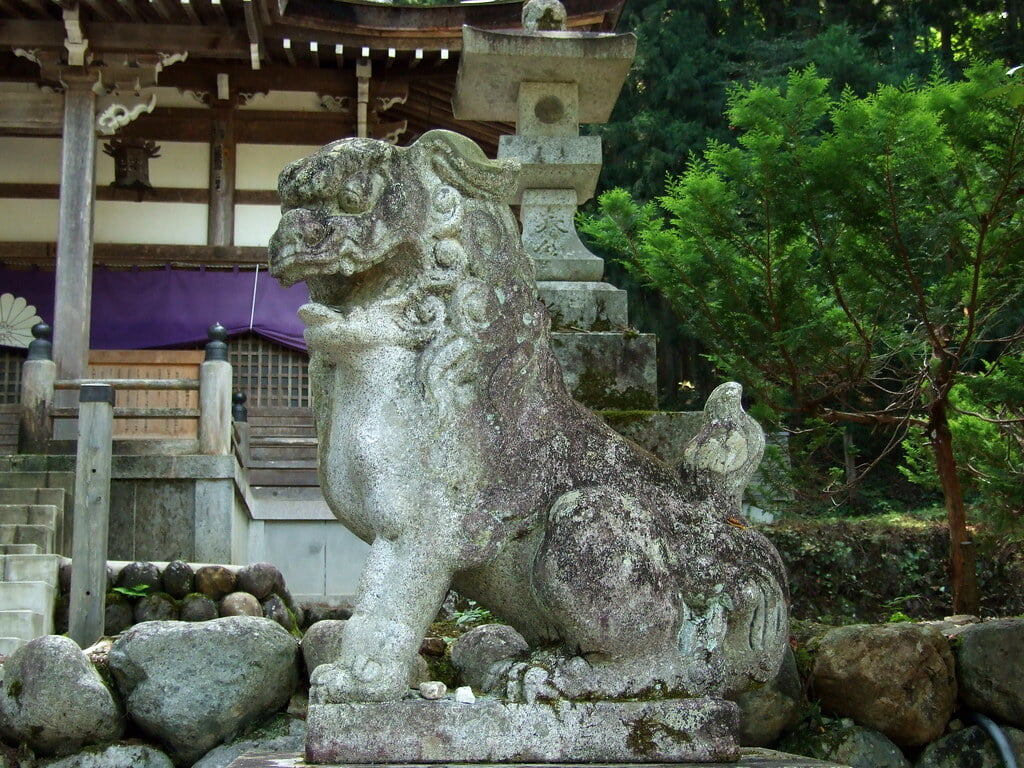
x,y
141,309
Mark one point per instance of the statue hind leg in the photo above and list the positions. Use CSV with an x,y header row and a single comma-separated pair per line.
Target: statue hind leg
x,y
602,551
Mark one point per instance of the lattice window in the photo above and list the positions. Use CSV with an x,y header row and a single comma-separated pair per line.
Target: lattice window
x,y
10,374
271,375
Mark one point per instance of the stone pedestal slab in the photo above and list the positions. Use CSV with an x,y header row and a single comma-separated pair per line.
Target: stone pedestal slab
x,y
615,371
554,162
749,758
582,306
488,730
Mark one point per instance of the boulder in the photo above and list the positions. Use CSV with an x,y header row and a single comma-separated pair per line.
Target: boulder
x,y
139,574
281,734
215,581
53,700
260,580
178,579
197,607
240,604
860,747
322,643
765,713
990,669
484,652
116,756
970,748
896,678
190,686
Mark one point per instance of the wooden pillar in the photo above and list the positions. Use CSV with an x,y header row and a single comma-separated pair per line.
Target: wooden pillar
x,y
92,513
73,293
221,222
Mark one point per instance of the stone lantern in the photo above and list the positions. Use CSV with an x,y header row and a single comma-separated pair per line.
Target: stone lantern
x,y
549,81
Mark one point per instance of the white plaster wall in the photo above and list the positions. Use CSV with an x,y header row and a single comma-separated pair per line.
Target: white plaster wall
x,y
155,223
258,165
31,221
320,560
285,101
33,160
254,224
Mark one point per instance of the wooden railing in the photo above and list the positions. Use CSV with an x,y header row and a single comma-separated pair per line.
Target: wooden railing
x,y
211,419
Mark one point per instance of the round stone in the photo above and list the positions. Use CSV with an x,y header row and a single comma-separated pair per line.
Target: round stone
x,y
118,614
260,580
275,609
433,689
139,574
197,607
215,581
156,607
240,604
178,579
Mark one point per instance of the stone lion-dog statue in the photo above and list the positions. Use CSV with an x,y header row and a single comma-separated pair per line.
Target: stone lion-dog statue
x,y
449,443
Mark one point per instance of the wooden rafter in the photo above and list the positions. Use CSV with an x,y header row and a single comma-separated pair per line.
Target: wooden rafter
x,y
254,29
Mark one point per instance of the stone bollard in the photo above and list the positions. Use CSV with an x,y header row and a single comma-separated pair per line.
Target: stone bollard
x,y
37,376
215,395
240,417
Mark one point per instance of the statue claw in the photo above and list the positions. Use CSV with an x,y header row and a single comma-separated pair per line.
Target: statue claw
x,y
362,680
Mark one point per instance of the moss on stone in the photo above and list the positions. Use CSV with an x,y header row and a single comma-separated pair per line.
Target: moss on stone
x,y
598,389
621,418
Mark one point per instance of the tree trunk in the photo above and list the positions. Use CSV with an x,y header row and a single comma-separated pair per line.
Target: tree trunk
x,y
962,574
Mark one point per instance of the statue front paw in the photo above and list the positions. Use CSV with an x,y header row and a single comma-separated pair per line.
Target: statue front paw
x,y
363,679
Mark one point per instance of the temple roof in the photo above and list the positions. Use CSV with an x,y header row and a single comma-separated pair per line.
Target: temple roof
x,y
272,45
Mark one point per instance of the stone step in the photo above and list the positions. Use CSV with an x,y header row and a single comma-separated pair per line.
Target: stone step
x,y
37,596
30,514
40,568
25,623
9,645
33,462
19,485
21,549
40,535
51,514
31,478
609,370
580,306
53,496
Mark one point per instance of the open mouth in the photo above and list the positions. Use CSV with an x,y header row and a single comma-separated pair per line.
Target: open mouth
x,y
315,315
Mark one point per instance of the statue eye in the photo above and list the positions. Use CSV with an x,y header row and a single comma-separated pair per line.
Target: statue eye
x,y
351,201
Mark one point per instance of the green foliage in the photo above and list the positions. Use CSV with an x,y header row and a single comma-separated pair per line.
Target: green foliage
x,y
473,615
987,422
132,592
851,258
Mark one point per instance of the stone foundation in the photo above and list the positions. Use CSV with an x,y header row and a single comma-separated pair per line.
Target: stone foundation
x,y
749,758
490,731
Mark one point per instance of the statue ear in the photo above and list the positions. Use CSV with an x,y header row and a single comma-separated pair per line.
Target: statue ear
x,y
460,163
